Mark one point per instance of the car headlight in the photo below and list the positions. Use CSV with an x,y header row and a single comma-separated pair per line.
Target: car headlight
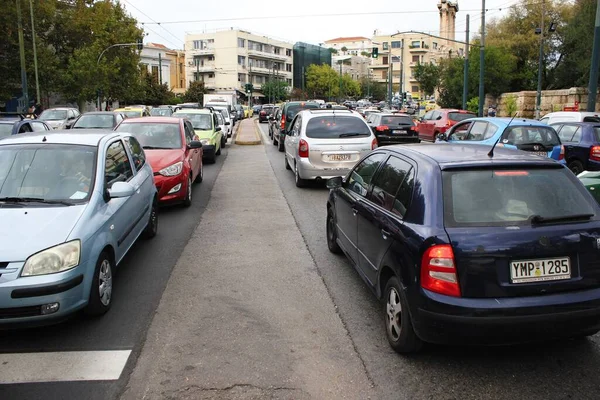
x,y
55,259
172,170
205,142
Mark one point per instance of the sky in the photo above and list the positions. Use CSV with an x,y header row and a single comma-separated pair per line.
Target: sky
x,y
311,21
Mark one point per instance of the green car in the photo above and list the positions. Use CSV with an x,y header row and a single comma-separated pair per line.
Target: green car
x,y
206,127
591,181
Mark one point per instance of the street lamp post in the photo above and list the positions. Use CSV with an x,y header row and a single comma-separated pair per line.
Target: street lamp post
x,y
104,51
538,100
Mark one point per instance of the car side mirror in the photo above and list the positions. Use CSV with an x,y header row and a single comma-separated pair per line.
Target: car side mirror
x,y
218,128
334,183
227,123
121,189
438,118
194,144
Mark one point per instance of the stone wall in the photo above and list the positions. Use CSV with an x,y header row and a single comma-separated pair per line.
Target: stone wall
x,y
552,100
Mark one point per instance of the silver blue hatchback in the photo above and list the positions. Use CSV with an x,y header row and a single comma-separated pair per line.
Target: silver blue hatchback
x,y
71,205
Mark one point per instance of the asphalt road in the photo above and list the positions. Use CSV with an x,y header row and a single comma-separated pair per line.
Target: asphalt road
x,y
556,370
138,287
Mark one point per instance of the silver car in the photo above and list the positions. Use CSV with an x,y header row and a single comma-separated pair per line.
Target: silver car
x,y
60,117
322,144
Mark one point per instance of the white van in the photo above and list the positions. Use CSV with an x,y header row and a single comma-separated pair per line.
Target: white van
x,y
570,116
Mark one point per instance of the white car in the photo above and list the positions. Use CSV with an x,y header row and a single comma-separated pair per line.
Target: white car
x,y
225,127
570,116
322,144
226,116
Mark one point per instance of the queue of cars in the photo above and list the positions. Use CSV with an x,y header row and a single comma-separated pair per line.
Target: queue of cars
x,y
76,201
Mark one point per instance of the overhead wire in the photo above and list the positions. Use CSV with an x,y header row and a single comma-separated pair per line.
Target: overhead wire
x,y
158,23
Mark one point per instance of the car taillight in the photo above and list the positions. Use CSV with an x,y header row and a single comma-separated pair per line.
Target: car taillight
x,y
438,271
561,156
263,113
595,153
303,149
374,144
382,128
282,125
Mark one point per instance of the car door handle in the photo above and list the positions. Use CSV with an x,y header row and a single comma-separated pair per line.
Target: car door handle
x,y
354,211
385,234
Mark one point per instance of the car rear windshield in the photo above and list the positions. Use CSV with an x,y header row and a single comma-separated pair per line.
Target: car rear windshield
x,y
396,120
328,127
597,133
520,135
154,135
591,119
458,116
161,112
201,122
53,115
511,197
294,109
93,121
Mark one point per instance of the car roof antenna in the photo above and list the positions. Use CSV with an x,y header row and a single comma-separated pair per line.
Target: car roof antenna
x,y
491,153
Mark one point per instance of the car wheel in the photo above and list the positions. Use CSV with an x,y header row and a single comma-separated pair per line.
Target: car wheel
x,y
218,152
287,164
188,194
200,175
280,146
223,141
398,326
274,141
102,285
332,234
299,181
152,226
576,166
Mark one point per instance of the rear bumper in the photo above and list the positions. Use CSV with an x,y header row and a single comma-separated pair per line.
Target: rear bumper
x,y
396,139
306,170
449,320
593,166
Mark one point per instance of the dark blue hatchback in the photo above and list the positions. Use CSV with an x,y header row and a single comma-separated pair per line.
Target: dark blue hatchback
x,y
582,145
470,249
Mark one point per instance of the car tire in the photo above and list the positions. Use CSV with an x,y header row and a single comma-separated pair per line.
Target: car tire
x,y
299,181
101,291
218,152
280,146
332,234
576,166
152,227
274,141
188,194
287,164
212,159
200,175
398,325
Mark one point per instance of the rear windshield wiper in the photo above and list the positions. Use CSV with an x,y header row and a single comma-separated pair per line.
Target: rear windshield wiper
x,y
155,148
34,200
538,219
352,134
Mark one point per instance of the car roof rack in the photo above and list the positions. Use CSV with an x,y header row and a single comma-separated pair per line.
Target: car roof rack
x,y
325,110
209,108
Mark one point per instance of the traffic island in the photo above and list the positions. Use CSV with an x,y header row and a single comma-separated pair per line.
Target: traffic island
x,y
247,133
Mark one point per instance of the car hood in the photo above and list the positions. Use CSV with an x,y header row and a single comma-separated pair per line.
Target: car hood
x,y
204,134
27,230
160,159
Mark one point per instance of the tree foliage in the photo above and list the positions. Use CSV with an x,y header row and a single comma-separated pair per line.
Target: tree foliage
x,y
373,89
428,77
322,81
276,90
195,92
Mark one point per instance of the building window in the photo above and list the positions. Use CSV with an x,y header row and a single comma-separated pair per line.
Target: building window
x,y
384,60
211,75
434,45
242,78
180,68
242,60
241,42
415,89
415,44
211,58
197,44
397,44
288,52
181,84
385,45
277,50
288,67
211,41
415,59
289,81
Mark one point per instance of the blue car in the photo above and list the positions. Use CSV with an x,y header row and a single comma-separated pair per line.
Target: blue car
x,y
71,206
582,145
13,124
464,248
522,134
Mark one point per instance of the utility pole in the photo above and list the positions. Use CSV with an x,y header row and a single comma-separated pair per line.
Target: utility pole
x,y
391,82
593,84
482,61
466,69
159,69
35,65
250,80
22,53
340,93
538,100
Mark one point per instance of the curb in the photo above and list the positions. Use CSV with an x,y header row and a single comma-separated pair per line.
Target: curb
x,y
249,142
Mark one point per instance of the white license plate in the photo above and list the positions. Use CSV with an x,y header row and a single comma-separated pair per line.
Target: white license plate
x,y
399,132
338,157
541,153
550,269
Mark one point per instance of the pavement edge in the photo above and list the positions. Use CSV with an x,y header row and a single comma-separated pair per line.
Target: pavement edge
x,y
249,142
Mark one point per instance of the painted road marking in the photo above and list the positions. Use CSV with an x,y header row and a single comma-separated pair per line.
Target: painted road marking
x,y
62,366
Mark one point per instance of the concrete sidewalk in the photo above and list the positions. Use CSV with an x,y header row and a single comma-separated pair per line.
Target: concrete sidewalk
x,y
247,133
245,314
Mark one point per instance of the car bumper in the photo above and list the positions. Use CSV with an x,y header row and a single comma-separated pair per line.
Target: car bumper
x,y
395,139
209,151
450,320
166,184
306,170
592,165
23,299
262,119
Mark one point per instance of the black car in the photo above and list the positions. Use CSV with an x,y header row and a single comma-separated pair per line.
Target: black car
x,y
288,112
99,120
465,246
14,123
393,128
265,112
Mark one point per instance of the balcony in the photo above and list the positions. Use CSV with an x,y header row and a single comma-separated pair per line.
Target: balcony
x,y
270,56
418,49
379,66
203,68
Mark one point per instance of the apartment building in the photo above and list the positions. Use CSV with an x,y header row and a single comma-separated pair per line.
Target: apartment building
x,y
177,71
228,59
153,58
350,46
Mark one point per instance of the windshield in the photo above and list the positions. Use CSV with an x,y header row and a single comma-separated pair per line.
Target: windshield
x,y
457,116
47,172
328,127
296,108
53,115
396,120
94,121
520,135
201,122
511,197
161,112
6,129
132,114
154,135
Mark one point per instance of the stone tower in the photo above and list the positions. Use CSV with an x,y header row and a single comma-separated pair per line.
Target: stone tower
x,y
448,12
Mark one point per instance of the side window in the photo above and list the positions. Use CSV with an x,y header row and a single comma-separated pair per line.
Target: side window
x,y
577,136
545,120
404,196
490,131
566,133
25,128
387,182
459,131
117,166
137,152
428,115
119,118
297,126
361,176
437,115
38,126
189,132
70,114
477,130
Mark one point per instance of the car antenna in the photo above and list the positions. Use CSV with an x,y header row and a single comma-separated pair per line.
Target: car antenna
x,y
44,139
491,153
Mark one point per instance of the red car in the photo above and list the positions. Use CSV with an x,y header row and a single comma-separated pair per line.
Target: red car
x,y
173,150
439,121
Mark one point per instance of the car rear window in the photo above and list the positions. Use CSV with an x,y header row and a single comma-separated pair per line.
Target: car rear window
x,y
327,127
520,135
591,119
506,197
294,109
597,133
396,120
458,116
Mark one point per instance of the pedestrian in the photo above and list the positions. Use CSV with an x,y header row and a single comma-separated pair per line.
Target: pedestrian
x,y
37,110
491,111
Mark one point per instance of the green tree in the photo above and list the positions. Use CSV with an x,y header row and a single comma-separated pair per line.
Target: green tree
x,y
277,90
428,77
344,49
322,81
195,92
373,89
350,87
473,104
511,105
